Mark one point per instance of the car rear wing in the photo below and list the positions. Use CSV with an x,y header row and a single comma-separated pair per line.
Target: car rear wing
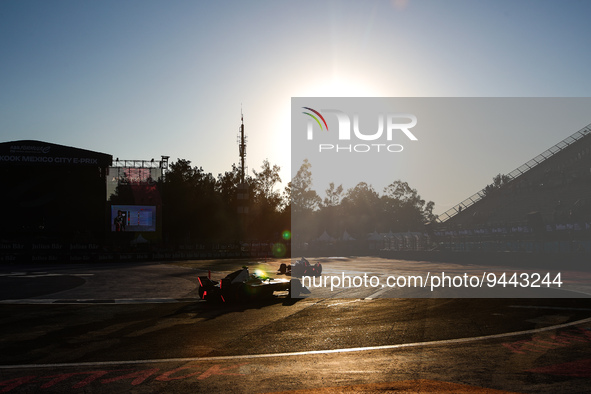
x,y
205,282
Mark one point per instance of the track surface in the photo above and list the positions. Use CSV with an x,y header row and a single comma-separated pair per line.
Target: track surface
x,y
141,328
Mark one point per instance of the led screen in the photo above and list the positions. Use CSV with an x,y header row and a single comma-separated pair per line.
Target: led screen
x,y
133,218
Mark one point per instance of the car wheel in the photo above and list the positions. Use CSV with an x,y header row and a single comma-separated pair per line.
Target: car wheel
x,y
295,288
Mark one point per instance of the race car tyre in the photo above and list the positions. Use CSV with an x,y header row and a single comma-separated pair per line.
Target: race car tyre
x,y
283,268
295,288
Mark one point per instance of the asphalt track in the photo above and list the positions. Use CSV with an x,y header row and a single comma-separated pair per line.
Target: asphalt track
x,y
142,328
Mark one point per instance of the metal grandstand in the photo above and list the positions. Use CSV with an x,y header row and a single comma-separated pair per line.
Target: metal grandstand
x,y
517,172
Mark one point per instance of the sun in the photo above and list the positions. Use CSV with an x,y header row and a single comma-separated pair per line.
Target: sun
x,y
334,86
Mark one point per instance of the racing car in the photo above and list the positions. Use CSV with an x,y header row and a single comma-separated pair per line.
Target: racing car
x,y
243,286
301,268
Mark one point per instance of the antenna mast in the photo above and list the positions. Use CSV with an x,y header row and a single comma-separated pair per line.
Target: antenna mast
x,y
242,148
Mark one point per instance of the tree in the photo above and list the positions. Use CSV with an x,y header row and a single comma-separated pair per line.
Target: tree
x,y
190,202
264,215
328,217
361,210
304,203
286,197
499,181
264,186
404,208
303,197
333,196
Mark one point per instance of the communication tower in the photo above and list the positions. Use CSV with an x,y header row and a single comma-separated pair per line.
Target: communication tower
x,y
242,192
242,149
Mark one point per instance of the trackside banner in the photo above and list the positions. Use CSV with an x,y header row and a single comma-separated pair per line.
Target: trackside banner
x,y
39,153
441,197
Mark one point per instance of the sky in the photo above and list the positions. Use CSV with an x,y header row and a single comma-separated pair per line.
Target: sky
x,y
141,79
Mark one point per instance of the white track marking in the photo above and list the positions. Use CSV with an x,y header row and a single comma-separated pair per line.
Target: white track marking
x,y
293,354
345,302
558,308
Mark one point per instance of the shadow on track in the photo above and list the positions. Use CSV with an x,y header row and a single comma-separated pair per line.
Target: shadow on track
x,y
22,287
209,310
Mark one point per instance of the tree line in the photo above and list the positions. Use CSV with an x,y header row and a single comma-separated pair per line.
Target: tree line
x,y
197,207
359,210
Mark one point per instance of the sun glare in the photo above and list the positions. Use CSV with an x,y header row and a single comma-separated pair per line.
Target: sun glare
x,y
339,87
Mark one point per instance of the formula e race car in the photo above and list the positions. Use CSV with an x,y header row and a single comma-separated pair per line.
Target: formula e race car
x,y
301,268
243,286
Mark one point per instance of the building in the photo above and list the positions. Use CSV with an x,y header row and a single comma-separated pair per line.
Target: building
x,y
52,192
